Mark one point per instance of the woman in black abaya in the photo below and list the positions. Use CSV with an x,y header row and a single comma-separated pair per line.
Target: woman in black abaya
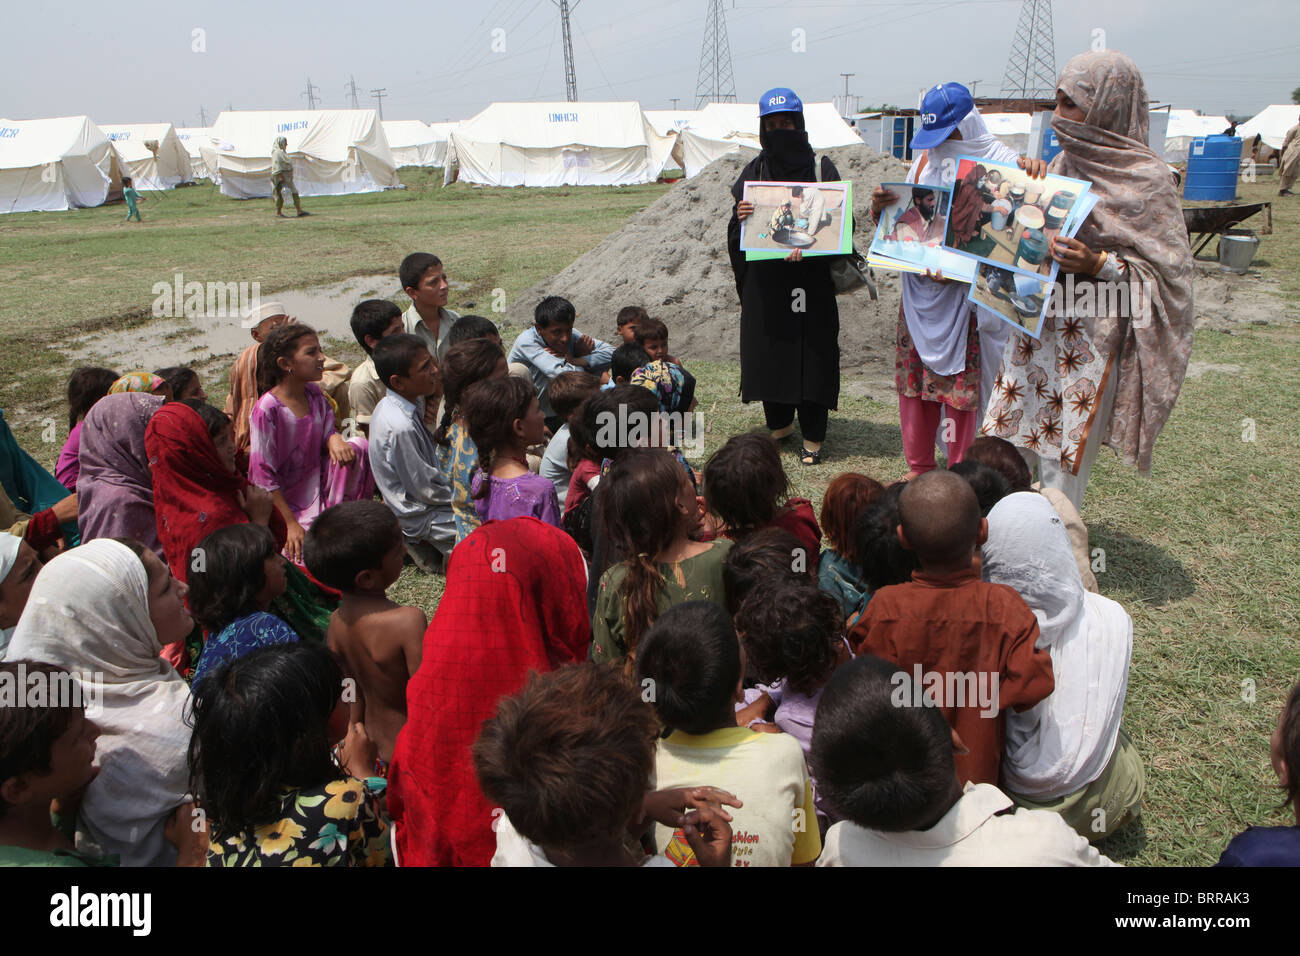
x,y
789,321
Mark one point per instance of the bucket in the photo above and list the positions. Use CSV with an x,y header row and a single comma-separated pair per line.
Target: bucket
x,y
1237,248
1017,196
1001,212
1056,215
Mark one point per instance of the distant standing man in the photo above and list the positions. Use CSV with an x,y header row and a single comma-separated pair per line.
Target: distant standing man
x,y
1288,164
282,176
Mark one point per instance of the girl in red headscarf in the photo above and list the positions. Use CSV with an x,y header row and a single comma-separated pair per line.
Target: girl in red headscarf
x,y
197,490
515,603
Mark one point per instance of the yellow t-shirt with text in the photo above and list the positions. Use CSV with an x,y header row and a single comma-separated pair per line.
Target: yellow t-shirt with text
x,y
777,825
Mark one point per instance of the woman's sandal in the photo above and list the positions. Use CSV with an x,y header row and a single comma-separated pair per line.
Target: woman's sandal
x,y
807,457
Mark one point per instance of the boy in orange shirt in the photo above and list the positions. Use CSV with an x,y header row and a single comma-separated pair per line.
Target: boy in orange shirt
x,y
967,645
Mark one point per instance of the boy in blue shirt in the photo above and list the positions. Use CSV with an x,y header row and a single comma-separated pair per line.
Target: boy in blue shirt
x,y
553,346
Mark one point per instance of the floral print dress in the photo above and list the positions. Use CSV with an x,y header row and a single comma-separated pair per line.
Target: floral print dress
x,y
458,460
338,824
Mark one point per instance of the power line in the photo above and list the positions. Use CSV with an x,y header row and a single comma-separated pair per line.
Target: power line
x,y
310,94
379,95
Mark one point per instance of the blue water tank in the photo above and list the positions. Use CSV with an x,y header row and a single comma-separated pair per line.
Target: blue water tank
x,y
1050,145
1212,165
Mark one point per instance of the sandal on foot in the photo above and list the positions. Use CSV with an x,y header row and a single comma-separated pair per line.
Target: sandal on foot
x,y
807,457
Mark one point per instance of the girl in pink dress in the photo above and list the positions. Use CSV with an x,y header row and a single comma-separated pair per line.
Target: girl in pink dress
x,y
295,452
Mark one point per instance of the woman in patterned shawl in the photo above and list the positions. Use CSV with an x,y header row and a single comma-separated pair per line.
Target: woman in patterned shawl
x,y
1114,349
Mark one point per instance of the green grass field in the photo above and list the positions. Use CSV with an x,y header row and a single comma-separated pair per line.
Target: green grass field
x,y
1205,554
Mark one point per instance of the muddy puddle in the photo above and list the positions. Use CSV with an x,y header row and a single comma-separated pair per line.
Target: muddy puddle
x,y
201,339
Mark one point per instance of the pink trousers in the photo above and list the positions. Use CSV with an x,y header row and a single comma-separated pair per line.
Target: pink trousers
x,y
920,423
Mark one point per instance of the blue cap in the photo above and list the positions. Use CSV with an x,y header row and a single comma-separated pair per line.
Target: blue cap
x,y
779,100
943,107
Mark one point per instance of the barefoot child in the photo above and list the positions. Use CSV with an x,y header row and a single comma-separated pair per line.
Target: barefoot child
x,y
357,548
295,453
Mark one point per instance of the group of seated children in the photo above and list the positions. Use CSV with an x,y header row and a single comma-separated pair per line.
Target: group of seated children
x,y
941,685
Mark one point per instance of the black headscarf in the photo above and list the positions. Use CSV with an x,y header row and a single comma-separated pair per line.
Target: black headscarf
x,y
787,155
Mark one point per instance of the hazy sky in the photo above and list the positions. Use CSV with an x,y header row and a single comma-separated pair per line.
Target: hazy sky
x,y
144,62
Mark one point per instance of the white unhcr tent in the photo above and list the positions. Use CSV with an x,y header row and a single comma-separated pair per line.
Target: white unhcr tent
x,y
193,138
442,134
1271,124
1185,126
55,164
723,128
151,154
557,144
1012,129
334,152
672,123
412,143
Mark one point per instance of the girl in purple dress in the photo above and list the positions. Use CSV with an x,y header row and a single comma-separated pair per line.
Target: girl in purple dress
x,y
295,453
504,420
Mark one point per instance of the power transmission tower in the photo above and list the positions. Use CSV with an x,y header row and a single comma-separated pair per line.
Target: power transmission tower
x,y
1031,67
310,94
570,77
351,87
844,107
379,95
203,116
675,100
717,84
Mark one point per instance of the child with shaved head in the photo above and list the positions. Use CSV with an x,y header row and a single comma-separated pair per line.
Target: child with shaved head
x,y
966,646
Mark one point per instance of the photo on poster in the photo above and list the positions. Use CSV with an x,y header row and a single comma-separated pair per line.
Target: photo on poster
x,y
912,227
789,216
1020,300
1002,216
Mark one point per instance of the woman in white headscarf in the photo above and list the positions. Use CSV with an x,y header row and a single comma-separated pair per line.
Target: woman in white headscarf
x,y
948,351
1067,753
105,610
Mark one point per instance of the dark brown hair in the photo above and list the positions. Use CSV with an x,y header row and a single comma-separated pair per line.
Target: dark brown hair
x,y
464,364
791,630
569,757
27,734
1002,456
86,386
639,517
768,555
569,390
491,409
846,498
744,483
650,328
631,313
281,342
